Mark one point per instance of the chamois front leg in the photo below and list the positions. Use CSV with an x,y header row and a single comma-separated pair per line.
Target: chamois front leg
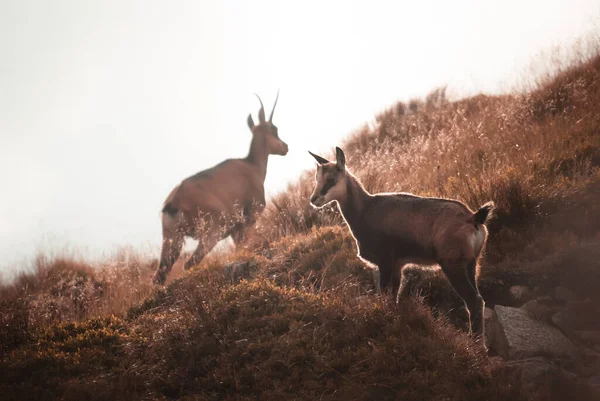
x,y
171,248
387,277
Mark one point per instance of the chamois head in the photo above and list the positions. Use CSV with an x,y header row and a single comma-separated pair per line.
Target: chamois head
x,y
330,179
266,131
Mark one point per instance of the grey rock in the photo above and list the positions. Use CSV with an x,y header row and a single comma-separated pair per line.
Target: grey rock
x,y
541,309
563,321
534,370
520,336
520,293
564,294
237,271
577,315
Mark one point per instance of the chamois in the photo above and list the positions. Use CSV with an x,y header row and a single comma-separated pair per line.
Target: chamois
x,y
221,201
395,229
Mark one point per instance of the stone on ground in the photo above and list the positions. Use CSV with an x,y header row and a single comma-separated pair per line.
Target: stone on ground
x,y
517,335
520,293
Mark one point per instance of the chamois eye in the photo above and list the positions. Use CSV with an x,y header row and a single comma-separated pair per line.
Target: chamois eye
x,y
329,183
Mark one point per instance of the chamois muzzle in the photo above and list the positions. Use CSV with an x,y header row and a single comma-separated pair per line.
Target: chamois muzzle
x,y
317,201
285,149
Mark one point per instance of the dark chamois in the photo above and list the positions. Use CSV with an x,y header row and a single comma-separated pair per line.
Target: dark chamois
x,y
395,229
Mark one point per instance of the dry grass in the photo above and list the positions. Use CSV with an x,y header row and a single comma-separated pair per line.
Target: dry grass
x,y
309,325
537,155
256,339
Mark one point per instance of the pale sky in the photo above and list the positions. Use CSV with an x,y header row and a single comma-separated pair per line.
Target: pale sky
x,y
107,105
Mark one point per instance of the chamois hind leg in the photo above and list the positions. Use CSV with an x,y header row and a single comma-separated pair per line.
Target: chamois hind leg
x,y
205,244
239,230
396,282
403,290
171,248
238,233
472,274
477,315
457,272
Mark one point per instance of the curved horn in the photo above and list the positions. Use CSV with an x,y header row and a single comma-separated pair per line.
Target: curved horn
x,y
261,112
275,104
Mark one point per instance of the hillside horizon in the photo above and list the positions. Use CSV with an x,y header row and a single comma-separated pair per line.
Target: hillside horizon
x,y
63,217
293,313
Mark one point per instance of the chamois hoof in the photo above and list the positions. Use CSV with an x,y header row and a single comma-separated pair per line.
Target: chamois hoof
x,y
159,278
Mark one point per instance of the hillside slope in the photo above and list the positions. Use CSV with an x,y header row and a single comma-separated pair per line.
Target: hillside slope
x,y
307,323
536,155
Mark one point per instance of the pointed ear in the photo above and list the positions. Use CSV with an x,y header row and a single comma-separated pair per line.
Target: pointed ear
x,y
340,159
319,159
250,122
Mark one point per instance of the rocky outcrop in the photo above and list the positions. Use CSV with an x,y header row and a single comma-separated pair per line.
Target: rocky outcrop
x,y
564,294
520,293
577,316
541,308
554,335
536,371
514,334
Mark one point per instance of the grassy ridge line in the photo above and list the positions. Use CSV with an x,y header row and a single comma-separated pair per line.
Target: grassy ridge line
x,y
534,154
308,326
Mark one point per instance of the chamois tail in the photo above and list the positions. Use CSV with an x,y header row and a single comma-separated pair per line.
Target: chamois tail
x,y
481,216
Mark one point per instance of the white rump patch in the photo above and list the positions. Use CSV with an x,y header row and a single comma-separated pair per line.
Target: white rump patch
x,y
477,239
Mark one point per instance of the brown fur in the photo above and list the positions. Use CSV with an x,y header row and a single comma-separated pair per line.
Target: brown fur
x,y
221,201
394,229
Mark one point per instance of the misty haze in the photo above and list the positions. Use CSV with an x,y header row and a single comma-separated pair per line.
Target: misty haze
x,y
223,200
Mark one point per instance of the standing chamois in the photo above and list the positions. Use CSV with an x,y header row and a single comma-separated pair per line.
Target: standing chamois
x,y
394,229
221,201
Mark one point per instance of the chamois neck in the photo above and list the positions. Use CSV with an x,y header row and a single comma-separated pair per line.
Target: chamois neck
x,y
356,198
258,154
